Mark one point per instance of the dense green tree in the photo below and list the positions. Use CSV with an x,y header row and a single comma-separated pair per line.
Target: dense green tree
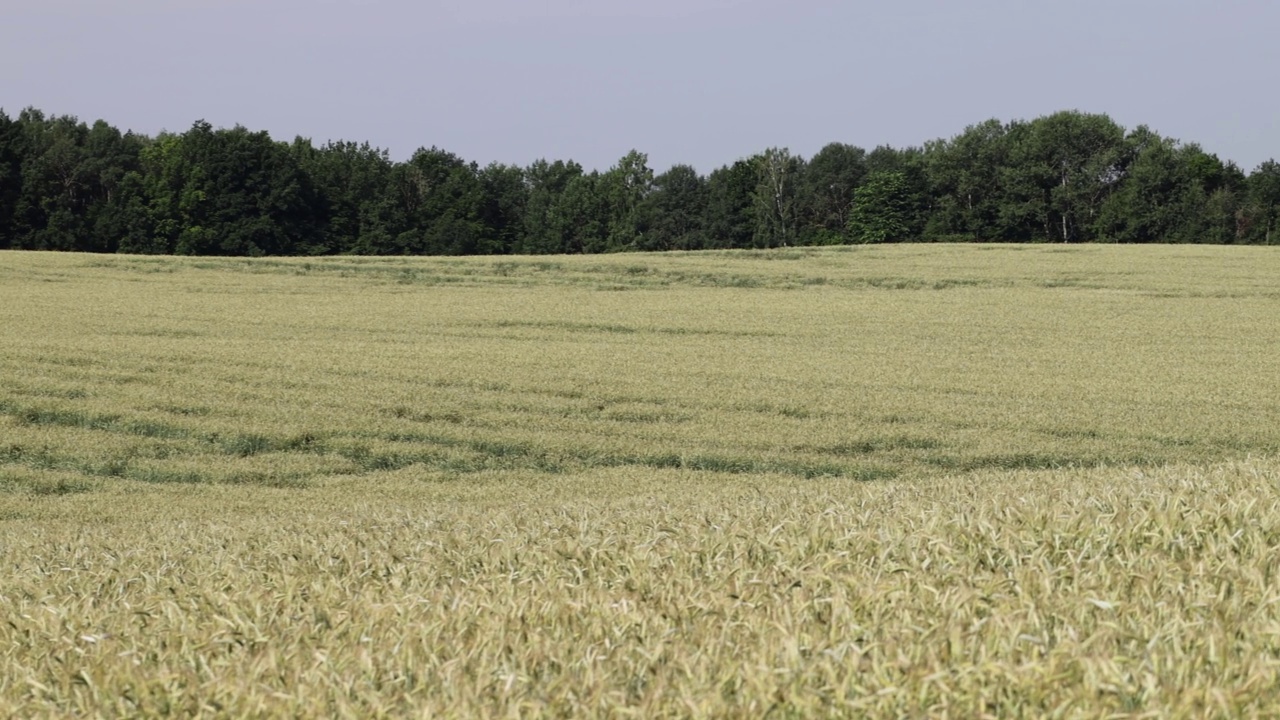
x,y
912,165
1264,202
885,209
164,206
778,177
229,192
672,217
583,215
964,183
111,167
69,197
348,182
826,192
1070,176
1210,197
1061,170
439,199
730,215
1221,217
1170,192
624,188
544,229
1148,206
11,156
51,207
505,200
886,159
137,217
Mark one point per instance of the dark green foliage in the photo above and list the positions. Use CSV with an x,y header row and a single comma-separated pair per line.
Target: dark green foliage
x,y
885,209
544,227
964,184
730,220
227,192
435,202
72,193
1066,177
1264,203
673,216
1165,195
1062,168
11,155
347,184
502,210
826,193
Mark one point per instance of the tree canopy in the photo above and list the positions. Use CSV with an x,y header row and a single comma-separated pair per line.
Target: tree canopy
x,y
1065,177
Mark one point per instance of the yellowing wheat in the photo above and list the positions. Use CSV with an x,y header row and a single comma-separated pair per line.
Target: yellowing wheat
x,y
910,481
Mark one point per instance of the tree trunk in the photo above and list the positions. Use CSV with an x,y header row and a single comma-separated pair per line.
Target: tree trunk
x,y
1064,194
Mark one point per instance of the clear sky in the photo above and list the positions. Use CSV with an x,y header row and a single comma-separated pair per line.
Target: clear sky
x,y
702,82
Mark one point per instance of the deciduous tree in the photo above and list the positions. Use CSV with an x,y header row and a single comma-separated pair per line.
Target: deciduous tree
x,y
883,209
778,175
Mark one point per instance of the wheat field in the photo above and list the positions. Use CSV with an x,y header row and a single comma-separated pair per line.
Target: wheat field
x,y
944,481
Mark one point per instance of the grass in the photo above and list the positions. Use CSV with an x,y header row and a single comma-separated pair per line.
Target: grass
x,y
879,481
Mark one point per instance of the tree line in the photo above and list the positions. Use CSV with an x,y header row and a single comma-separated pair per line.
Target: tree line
x,y
1066,177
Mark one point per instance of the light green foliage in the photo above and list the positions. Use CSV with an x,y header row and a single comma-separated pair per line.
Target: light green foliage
x,y
862,481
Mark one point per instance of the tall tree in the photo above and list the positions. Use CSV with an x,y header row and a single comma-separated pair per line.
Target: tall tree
x,y
349,181
112,162
547,181
11,156
624,188
885,209
506,198
1222,214
672,216
730,216
1209,197
1146,206
778,175
440,198
51,207
911,164
583,214
826,192
1170,192
229,192
71,178
1264,202
964,183
1062,169
166,199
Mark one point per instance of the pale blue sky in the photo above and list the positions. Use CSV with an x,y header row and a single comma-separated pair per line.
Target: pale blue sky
x,y
697,81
